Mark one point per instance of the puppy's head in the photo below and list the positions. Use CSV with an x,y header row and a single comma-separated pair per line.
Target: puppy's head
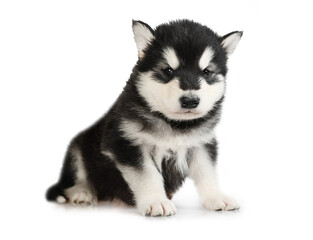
x,y
182,67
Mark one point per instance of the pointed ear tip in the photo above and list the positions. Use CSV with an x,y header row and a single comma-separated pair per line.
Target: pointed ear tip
x,y
238,33
134,22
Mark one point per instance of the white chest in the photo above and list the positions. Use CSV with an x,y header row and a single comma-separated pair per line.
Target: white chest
x,y
165,144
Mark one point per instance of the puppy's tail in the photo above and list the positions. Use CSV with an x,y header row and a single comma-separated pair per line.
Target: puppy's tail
x,y
56,193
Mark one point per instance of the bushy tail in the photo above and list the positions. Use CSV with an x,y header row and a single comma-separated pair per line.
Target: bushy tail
x,y
56,193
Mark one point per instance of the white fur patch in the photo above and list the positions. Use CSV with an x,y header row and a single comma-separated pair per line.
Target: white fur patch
x,y
164,98
230,43
203,173
61,199
161,97
171,57
206,58
209,94
181,161
159,154
143,37
79,165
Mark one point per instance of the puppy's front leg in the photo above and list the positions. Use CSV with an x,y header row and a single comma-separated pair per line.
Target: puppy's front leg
x,y
147,185
202,171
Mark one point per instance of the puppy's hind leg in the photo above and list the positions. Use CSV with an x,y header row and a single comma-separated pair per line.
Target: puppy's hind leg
x,y
67,180
81,194
73,186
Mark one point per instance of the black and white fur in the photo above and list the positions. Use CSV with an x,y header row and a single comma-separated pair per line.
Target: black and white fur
x,y
161,128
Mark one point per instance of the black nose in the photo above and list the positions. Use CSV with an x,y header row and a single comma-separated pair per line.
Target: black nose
x,y
189,102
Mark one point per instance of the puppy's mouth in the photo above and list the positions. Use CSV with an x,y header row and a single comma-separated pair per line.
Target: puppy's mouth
x,y
188,112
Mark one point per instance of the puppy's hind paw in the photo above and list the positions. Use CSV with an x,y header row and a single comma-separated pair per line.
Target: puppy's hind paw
x,y
80,195
83,199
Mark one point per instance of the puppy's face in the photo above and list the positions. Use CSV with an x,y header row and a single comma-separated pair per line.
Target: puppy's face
x,y
182,67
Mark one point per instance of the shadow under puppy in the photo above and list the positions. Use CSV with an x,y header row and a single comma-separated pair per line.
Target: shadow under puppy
x,y
161,128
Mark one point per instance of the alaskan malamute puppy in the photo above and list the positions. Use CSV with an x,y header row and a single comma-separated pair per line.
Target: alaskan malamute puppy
x,y
161,128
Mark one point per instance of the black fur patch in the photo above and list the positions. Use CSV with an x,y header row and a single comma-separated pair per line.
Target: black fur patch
x,y
173,178
212,150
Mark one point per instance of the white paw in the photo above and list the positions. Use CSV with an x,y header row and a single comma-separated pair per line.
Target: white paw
x,y
220,202
157,208
83,199
80,195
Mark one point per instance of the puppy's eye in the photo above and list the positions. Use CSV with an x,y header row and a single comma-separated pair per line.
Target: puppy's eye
x,y
169,71
207,72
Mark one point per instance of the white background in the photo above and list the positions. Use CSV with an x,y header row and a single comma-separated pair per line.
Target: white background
x,y
62,65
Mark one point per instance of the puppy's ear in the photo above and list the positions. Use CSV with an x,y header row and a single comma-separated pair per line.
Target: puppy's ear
x,y
143,34
230,41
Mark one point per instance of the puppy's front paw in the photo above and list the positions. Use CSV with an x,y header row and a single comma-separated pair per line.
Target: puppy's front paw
x,y
157,208
220,202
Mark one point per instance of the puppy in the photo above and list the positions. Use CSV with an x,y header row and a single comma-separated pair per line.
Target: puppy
x,y
160,130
